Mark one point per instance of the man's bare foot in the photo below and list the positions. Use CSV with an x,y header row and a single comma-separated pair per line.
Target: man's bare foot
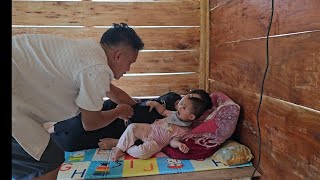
x,y
116,154
107,143
49,126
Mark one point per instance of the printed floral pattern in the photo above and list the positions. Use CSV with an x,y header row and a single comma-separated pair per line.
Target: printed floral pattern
x,y
225,117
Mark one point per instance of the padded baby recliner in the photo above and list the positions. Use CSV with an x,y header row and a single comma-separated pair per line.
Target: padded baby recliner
x,y
213,128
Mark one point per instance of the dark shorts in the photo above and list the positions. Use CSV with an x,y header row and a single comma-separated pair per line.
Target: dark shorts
x,y
26,167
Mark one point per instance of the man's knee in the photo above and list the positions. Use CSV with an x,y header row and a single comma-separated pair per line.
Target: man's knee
x,y
26,167
48,176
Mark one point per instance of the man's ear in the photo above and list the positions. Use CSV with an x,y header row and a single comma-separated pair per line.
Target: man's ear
x,y
116,55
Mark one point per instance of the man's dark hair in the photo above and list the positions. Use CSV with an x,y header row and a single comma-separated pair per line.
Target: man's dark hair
x,y
205,97
122,33
198,106
168,100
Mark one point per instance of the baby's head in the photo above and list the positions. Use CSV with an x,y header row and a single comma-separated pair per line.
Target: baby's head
x,y
190,108
201,94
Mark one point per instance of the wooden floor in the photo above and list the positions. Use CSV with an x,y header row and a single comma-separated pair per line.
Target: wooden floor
x,y
243,173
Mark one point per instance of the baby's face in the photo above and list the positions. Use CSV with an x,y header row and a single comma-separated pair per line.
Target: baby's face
x,y
176,104
188,95
184,109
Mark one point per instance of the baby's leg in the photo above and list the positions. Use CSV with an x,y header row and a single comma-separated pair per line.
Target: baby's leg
x,y
133,132
145,150
116,153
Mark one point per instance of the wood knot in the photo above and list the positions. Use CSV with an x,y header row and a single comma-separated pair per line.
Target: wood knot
x,y
182,46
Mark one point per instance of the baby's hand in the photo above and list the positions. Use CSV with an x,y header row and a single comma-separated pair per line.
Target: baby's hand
x,y
152,104
183,148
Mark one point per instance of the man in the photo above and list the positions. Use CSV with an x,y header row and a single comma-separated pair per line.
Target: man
x,y
54,78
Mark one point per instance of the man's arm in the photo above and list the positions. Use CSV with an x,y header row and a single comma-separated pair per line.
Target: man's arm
x,y
93,120
118,96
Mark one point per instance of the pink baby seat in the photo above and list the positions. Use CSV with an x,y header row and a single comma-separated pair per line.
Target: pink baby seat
x,y
210,130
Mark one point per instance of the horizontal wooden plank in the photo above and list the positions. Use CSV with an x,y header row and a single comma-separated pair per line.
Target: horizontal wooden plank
x,y
246,19
290,134
166,62
293,74
153,38
158,85
88,13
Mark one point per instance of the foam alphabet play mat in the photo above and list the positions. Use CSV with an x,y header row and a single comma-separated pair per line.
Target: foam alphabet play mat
x,y
96,164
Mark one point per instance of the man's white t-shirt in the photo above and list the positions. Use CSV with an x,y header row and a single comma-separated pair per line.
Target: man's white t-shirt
x,y
52,77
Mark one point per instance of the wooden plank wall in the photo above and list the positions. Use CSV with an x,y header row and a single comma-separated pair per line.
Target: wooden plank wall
x,y
169,28
290,111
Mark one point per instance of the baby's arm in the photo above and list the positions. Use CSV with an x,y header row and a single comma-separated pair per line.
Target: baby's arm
x,y
175,143
160,109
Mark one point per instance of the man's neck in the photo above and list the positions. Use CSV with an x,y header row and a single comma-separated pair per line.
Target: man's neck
x,y
107,50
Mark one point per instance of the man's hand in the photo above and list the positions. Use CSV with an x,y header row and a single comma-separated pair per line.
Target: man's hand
x,y
125,111
183,148
137,100
107,143
49,126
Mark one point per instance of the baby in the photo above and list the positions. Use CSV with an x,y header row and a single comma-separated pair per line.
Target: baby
x,y
162,132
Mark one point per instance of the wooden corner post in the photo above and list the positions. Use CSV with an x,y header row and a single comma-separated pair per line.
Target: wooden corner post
x,y
204,45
